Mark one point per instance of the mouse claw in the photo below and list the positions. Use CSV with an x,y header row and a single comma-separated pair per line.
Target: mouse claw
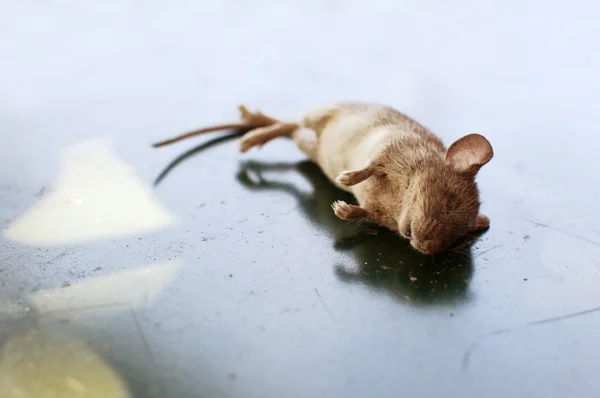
x,y
349,212
341,209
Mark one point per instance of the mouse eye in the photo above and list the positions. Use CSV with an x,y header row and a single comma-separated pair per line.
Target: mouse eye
x,y
448,206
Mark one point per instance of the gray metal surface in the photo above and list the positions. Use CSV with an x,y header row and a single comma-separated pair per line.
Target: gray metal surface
x,y
259,291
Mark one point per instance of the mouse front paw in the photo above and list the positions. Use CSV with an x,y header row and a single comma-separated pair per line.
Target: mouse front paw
x,y
341,209
348,212
349,178
344,178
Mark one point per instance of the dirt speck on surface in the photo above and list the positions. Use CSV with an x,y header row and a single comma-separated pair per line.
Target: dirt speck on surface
x,y
67,284
526,237
40,193
525,279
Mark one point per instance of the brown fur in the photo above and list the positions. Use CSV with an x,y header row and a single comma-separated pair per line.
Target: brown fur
x,y
400,172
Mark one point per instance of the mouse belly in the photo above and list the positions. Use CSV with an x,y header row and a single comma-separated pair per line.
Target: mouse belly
x,y
344,147
348,135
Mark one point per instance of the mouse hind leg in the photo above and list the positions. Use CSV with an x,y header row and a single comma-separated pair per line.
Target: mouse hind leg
x,y
266,128
255,119
306,139
261,135
262,129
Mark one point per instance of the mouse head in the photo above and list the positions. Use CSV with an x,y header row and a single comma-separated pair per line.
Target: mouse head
x,y
442,204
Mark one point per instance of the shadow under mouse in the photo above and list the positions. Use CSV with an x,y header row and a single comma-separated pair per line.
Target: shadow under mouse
x,y
380,260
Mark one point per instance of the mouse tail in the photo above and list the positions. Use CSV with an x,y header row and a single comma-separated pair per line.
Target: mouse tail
x,y
250,120
194,133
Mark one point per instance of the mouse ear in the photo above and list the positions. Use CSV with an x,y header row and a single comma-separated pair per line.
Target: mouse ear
x,y
469,153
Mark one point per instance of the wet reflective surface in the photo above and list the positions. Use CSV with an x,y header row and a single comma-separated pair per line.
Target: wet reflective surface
x,y
193,271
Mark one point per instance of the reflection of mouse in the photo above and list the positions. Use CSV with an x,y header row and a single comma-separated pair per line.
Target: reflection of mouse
x,y
401,174
379,261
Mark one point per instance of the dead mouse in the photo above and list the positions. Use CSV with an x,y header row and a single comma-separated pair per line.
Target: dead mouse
x,y
400,173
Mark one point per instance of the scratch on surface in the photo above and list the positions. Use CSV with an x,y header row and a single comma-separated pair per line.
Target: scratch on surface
x,y
110,305
290,211
562,232
41,192
469,351
147,347
324,303
488,250
142,335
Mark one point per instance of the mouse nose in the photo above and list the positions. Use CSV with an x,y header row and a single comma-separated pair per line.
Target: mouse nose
x,y
426,247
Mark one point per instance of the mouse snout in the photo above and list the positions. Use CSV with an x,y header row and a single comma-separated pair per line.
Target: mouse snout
x,y
430,246
428,241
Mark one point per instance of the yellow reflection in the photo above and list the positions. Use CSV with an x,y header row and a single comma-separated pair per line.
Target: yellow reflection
x,y
98,196
135,288
38,365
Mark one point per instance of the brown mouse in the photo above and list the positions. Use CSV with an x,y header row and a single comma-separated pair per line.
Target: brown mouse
x,y
400,173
